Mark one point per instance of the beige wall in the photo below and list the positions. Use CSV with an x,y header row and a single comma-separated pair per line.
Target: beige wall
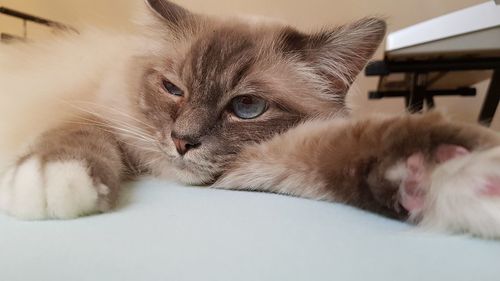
x,y
305,14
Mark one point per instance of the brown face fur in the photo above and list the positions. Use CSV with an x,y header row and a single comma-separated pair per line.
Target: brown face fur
x,y
213,61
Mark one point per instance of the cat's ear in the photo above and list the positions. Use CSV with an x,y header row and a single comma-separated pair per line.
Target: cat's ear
x,y
175,16
337,55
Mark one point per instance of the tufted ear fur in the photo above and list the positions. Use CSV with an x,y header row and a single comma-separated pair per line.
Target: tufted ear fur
x,y
176,17
336,55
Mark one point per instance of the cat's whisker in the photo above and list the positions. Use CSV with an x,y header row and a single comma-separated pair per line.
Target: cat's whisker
x,y
107,128
115,121
132,129
152,161
122,113
123,131
128,129
151,149
132,132
163,151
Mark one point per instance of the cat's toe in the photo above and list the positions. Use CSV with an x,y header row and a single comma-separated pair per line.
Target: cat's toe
x,y
52,190
446,152
414,176
414,184
492,187
464,195
22,193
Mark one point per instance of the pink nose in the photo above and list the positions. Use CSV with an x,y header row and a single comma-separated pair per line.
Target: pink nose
x,y
183,146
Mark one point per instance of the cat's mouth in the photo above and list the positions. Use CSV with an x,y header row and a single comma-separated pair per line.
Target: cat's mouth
x,y
192,173
191,168
179,163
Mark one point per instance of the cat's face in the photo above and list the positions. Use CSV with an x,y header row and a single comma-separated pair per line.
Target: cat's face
x,y
223,85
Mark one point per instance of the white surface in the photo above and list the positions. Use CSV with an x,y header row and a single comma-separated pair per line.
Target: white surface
x,y
471,19
168,232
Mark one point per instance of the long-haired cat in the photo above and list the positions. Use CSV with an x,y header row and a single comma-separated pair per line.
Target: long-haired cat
x,y
231,103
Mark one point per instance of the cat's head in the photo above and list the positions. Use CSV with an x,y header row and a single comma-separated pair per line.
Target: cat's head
x,y
219,85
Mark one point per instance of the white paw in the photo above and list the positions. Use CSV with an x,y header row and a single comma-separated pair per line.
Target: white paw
x,y
464,195
55,190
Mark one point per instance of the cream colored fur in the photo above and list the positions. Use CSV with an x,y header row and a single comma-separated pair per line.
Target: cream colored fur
x,y
40,80
46,83
456,201
61,190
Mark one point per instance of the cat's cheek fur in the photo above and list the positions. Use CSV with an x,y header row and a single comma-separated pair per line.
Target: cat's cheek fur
x,y
457,201
52,190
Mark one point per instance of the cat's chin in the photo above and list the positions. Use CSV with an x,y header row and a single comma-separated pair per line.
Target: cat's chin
x,y
185,170
187,177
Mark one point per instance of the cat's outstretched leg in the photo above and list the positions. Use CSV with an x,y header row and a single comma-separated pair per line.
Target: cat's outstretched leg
x,y
404,167
69,172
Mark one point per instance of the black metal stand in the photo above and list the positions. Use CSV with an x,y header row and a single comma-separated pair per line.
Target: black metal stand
x,y
490,103
417,93
30,18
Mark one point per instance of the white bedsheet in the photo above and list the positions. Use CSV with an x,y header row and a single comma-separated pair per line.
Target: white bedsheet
x,y
168,232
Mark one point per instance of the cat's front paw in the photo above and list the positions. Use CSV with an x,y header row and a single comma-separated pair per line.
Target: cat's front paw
x,y
464,195
51,190
453,190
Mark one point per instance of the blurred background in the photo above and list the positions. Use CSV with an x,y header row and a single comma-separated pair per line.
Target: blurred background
x,y
307,15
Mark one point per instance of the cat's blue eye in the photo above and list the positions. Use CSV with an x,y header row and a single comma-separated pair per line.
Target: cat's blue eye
x,y
248,107
172,89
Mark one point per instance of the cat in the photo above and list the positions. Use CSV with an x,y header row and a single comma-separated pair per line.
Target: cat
x,y
229,103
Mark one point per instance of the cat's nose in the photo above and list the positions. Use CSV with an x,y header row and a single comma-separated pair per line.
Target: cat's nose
x,y
183,145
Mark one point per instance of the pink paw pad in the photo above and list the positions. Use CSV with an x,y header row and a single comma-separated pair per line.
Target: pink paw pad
x,y
412,195
447,152
414,187
492,187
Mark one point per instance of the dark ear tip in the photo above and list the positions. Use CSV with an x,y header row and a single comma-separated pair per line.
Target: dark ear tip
x,y
152,5
172,13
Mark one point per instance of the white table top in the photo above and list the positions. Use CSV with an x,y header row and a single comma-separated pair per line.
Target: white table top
x,y
476,18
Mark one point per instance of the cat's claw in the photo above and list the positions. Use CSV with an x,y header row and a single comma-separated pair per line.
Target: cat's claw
x,y
53,190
